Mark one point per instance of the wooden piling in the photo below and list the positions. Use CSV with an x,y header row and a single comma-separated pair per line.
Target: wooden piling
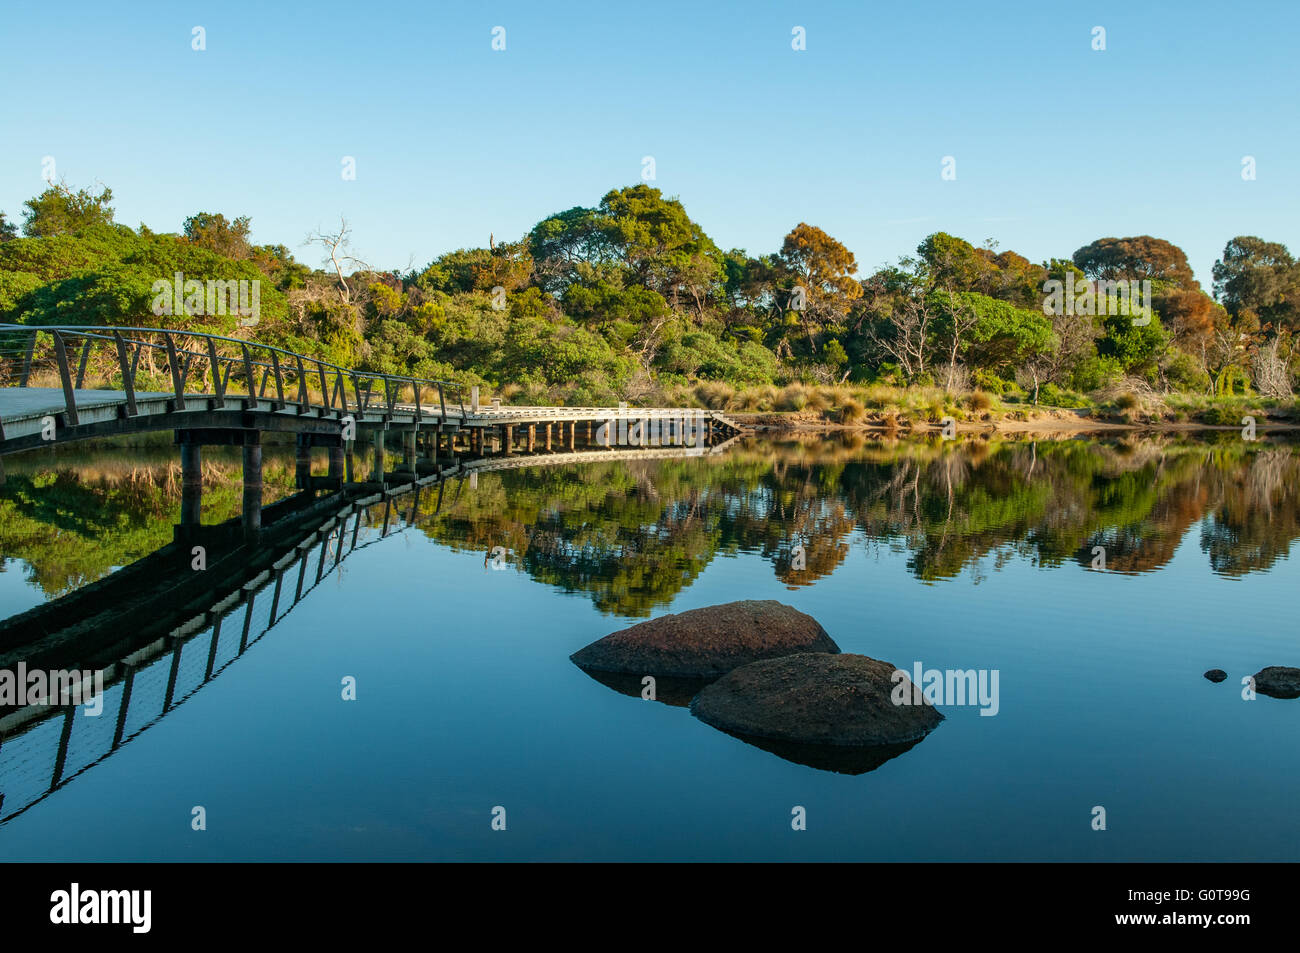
x,y
408,450
336,464
302,461
252,485
191,484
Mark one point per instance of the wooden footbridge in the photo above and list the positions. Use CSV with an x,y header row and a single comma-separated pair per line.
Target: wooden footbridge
x,y
184,628
214,390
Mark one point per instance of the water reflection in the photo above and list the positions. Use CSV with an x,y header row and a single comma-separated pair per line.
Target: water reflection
x,y
633,536
840,759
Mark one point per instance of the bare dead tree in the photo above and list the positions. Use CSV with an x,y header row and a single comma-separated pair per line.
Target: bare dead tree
x,y
905,332
338,254
1272,375
964,320
1075,336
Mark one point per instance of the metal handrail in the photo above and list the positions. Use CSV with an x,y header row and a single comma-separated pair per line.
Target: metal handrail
x,y
297,366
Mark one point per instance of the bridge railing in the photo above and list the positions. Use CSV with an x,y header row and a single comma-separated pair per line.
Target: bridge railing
x,y
196,363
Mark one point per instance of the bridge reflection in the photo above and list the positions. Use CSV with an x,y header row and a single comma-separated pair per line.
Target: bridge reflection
x,y
159,630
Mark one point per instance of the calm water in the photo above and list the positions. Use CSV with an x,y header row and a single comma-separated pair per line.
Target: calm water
x,y
970,556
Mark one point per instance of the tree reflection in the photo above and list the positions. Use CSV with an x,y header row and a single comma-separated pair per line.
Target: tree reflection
x,y
631,535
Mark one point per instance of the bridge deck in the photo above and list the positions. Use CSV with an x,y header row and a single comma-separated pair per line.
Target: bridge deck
x,y
17,403
23,411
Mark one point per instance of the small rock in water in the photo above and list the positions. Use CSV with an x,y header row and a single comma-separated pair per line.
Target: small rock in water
x,y
706,643
1216,674
835,712
1278,681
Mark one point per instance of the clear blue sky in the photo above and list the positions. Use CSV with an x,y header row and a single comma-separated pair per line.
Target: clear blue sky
x,y
1055,144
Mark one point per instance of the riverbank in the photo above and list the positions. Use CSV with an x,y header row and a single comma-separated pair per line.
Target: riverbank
x,y
1045,420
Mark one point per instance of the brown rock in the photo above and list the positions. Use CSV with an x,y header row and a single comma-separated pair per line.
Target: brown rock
x,y
707,643
818,701
1278,681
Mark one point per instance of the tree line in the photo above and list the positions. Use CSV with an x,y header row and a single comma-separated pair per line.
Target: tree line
x,y
629,297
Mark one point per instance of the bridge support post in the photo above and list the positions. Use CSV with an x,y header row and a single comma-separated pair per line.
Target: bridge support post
x,y
548,438
252,485
336,465
191,485
408,450
377,472
302,462
509,440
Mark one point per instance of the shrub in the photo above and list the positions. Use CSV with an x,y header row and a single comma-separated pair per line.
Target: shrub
x,y
852,412
818,400
794,397
1053,396
980,401
1227,415
715,395
985,379
1184,373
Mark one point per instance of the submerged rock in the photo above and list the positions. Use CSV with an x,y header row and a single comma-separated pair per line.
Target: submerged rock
x,y
1216,674
1278,681
835,712
707,643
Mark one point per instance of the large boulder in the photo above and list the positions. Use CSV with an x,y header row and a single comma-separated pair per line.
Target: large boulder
x,y
835,712
706,643
1278,681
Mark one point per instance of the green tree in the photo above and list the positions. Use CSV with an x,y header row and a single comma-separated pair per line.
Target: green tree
x,y
956,265
212,231
817,268
563,240
1135,259
664,249
60,211
1259,277
1003,337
